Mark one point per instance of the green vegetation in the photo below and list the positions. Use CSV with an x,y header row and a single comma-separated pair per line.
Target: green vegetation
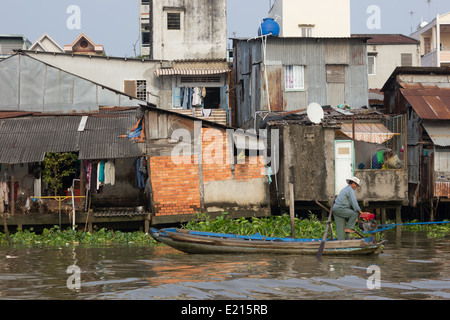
x,y
274,226
433,230
57,237
56,167
280,226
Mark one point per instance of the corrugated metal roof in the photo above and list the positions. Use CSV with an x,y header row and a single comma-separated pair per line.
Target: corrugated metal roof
x,y
439,132
28,139
430,101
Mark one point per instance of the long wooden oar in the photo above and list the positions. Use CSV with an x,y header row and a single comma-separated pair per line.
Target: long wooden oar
x,y
325,234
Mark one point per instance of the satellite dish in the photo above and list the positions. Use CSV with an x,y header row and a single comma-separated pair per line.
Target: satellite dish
x,y
315,113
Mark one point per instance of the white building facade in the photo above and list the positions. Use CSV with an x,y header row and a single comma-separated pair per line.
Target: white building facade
x,y
177,29
387,52
434,40
317,19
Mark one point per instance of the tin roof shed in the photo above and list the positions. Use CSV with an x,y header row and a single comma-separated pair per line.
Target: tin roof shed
x,y
27,139
430,101
439,132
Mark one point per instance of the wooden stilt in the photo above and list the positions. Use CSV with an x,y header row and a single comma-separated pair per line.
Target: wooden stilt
x,y
5,226
398,218
383,215
12,193
292,209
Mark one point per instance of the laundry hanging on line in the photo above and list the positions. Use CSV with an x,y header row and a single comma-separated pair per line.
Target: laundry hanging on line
x,y
187,97
99,173
141,171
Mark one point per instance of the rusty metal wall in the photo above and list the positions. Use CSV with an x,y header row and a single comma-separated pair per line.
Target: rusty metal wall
x,y
312,53
248,74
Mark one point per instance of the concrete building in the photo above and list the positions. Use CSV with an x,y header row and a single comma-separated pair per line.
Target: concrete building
x,y
318,158
387,52
434,40
176,29
304,18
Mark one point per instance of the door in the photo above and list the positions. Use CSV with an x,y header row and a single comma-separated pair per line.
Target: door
x,y
335,85
344,164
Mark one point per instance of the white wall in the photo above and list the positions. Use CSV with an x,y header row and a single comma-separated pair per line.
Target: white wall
x,y
387,59
203,33
331,18
110,72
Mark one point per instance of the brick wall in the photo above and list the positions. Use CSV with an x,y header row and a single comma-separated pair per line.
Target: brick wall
x,y
176,187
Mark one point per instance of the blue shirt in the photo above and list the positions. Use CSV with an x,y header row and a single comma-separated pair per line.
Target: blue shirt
x,y
347,199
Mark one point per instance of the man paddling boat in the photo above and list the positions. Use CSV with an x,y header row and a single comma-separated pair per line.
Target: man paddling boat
x,y
346,209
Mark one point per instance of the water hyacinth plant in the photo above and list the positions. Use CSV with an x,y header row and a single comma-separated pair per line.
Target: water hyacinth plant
x,y
280,226
274,226
57,237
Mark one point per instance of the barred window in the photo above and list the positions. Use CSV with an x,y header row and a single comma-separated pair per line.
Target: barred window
x,y
294,77
141,90
173,21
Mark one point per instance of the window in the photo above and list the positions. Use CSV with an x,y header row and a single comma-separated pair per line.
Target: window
x,y
427,45
371,65
173,21
141,90
407,60
294,77
306,32
145,29
84,44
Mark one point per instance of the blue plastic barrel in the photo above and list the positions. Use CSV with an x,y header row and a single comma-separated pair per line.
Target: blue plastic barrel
x,y
269,27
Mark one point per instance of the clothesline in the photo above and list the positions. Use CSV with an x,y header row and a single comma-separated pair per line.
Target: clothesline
x,y
188,97
99,173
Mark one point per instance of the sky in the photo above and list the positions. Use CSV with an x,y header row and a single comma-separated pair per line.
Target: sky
x,y
115,23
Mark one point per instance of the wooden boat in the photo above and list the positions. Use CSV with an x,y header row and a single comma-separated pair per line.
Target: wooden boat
x,y
196,242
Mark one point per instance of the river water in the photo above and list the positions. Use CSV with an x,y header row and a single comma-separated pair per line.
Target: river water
x,y
410,267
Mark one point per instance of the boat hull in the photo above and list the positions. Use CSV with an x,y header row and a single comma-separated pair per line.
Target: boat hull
x,y
193,242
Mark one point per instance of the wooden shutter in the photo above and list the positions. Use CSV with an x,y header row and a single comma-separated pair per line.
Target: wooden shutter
x,y
407,60
130,87
335,73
